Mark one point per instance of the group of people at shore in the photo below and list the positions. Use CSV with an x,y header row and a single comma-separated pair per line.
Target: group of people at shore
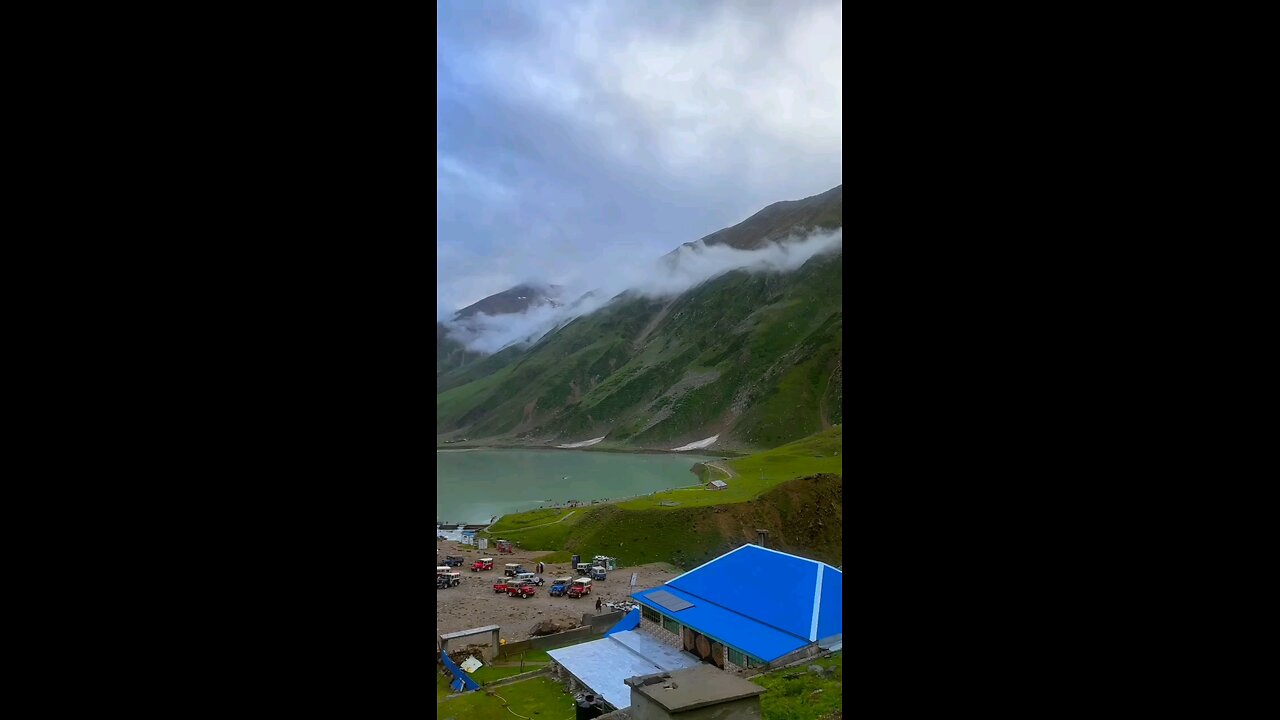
x,y
573,503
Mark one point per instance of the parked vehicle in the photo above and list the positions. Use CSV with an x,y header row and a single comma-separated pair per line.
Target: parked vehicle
x,y
442,582
504,547
511,569
521,589
500,586
482,564
442,569
559,587
597,573
605,562
453,560
454,579
530,577
580,587
583,568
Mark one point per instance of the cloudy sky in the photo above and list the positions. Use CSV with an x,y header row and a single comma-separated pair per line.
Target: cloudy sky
x,y
576,136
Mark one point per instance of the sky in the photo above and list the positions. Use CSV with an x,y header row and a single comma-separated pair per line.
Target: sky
x,y
576,138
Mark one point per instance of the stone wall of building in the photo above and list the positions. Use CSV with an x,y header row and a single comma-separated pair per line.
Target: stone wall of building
x,y
662,635
666,637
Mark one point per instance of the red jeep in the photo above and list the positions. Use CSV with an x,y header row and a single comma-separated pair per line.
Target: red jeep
x,y
482,564
520,588
580,587
500,586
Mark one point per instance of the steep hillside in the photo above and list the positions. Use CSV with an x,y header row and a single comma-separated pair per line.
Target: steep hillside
x,y
753,357
451,354
804,516
793,491
514,300
825,211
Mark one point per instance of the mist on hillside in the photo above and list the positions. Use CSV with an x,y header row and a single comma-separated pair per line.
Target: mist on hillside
x,y
600,282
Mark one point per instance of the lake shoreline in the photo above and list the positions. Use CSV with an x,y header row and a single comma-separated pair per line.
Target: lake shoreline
x,y
697,452
475,483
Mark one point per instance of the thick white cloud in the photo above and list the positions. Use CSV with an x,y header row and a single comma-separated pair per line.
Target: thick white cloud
x,y
603,279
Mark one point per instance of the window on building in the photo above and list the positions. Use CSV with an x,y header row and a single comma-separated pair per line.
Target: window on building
x,y
649,613
670,624
743,660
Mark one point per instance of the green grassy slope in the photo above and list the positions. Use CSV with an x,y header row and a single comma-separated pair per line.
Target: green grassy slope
x,y
803,515
457,402
450,354
799,501
537,697
753,357
755,474
796,694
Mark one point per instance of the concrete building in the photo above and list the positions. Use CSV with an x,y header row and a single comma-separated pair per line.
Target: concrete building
x,y
603,666
698,693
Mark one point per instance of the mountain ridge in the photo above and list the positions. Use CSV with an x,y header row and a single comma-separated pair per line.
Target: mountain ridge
x,y
753,357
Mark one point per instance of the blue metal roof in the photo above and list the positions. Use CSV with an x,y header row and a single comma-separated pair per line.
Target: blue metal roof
x,y
756,597
830,621
755,639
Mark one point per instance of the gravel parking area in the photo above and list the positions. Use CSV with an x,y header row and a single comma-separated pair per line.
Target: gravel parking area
x,y
474,603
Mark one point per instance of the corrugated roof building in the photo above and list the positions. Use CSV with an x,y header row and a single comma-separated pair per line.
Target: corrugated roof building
x,y
748,607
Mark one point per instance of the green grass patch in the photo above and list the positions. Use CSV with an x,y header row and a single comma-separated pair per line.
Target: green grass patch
x,y
547,537
774,339
643,531
541,656
634,538
453,404
810,456
520,521
807,697
820,453
489,673
538,697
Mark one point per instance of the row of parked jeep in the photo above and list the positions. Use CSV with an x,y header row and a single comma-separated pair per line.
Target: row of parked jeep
x,y
525,585
522,583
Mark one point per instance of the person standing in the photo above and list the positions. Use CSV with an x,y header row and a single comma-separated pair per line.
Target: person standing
x,y
597,606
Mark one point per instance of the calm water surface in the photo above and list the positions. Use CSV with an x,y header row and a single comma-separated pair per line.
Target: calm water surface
x,y
474,485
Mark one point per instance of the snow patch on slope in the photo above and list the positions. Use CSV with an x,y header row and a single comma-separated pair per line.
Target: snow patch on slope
x,y
698,445
584,443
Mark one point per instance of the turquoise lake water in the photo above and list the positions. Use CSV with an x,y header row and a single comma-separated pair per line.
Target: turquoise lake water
x,y
474,485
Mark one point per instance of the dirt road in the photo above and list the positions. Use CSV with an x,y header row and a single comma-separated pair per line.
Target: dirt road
x,y
728,473
474,603
553,522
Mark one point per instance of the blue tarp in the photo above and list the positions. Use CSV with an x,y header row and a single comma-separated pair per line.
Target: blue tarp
x,y
630,621
460,679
